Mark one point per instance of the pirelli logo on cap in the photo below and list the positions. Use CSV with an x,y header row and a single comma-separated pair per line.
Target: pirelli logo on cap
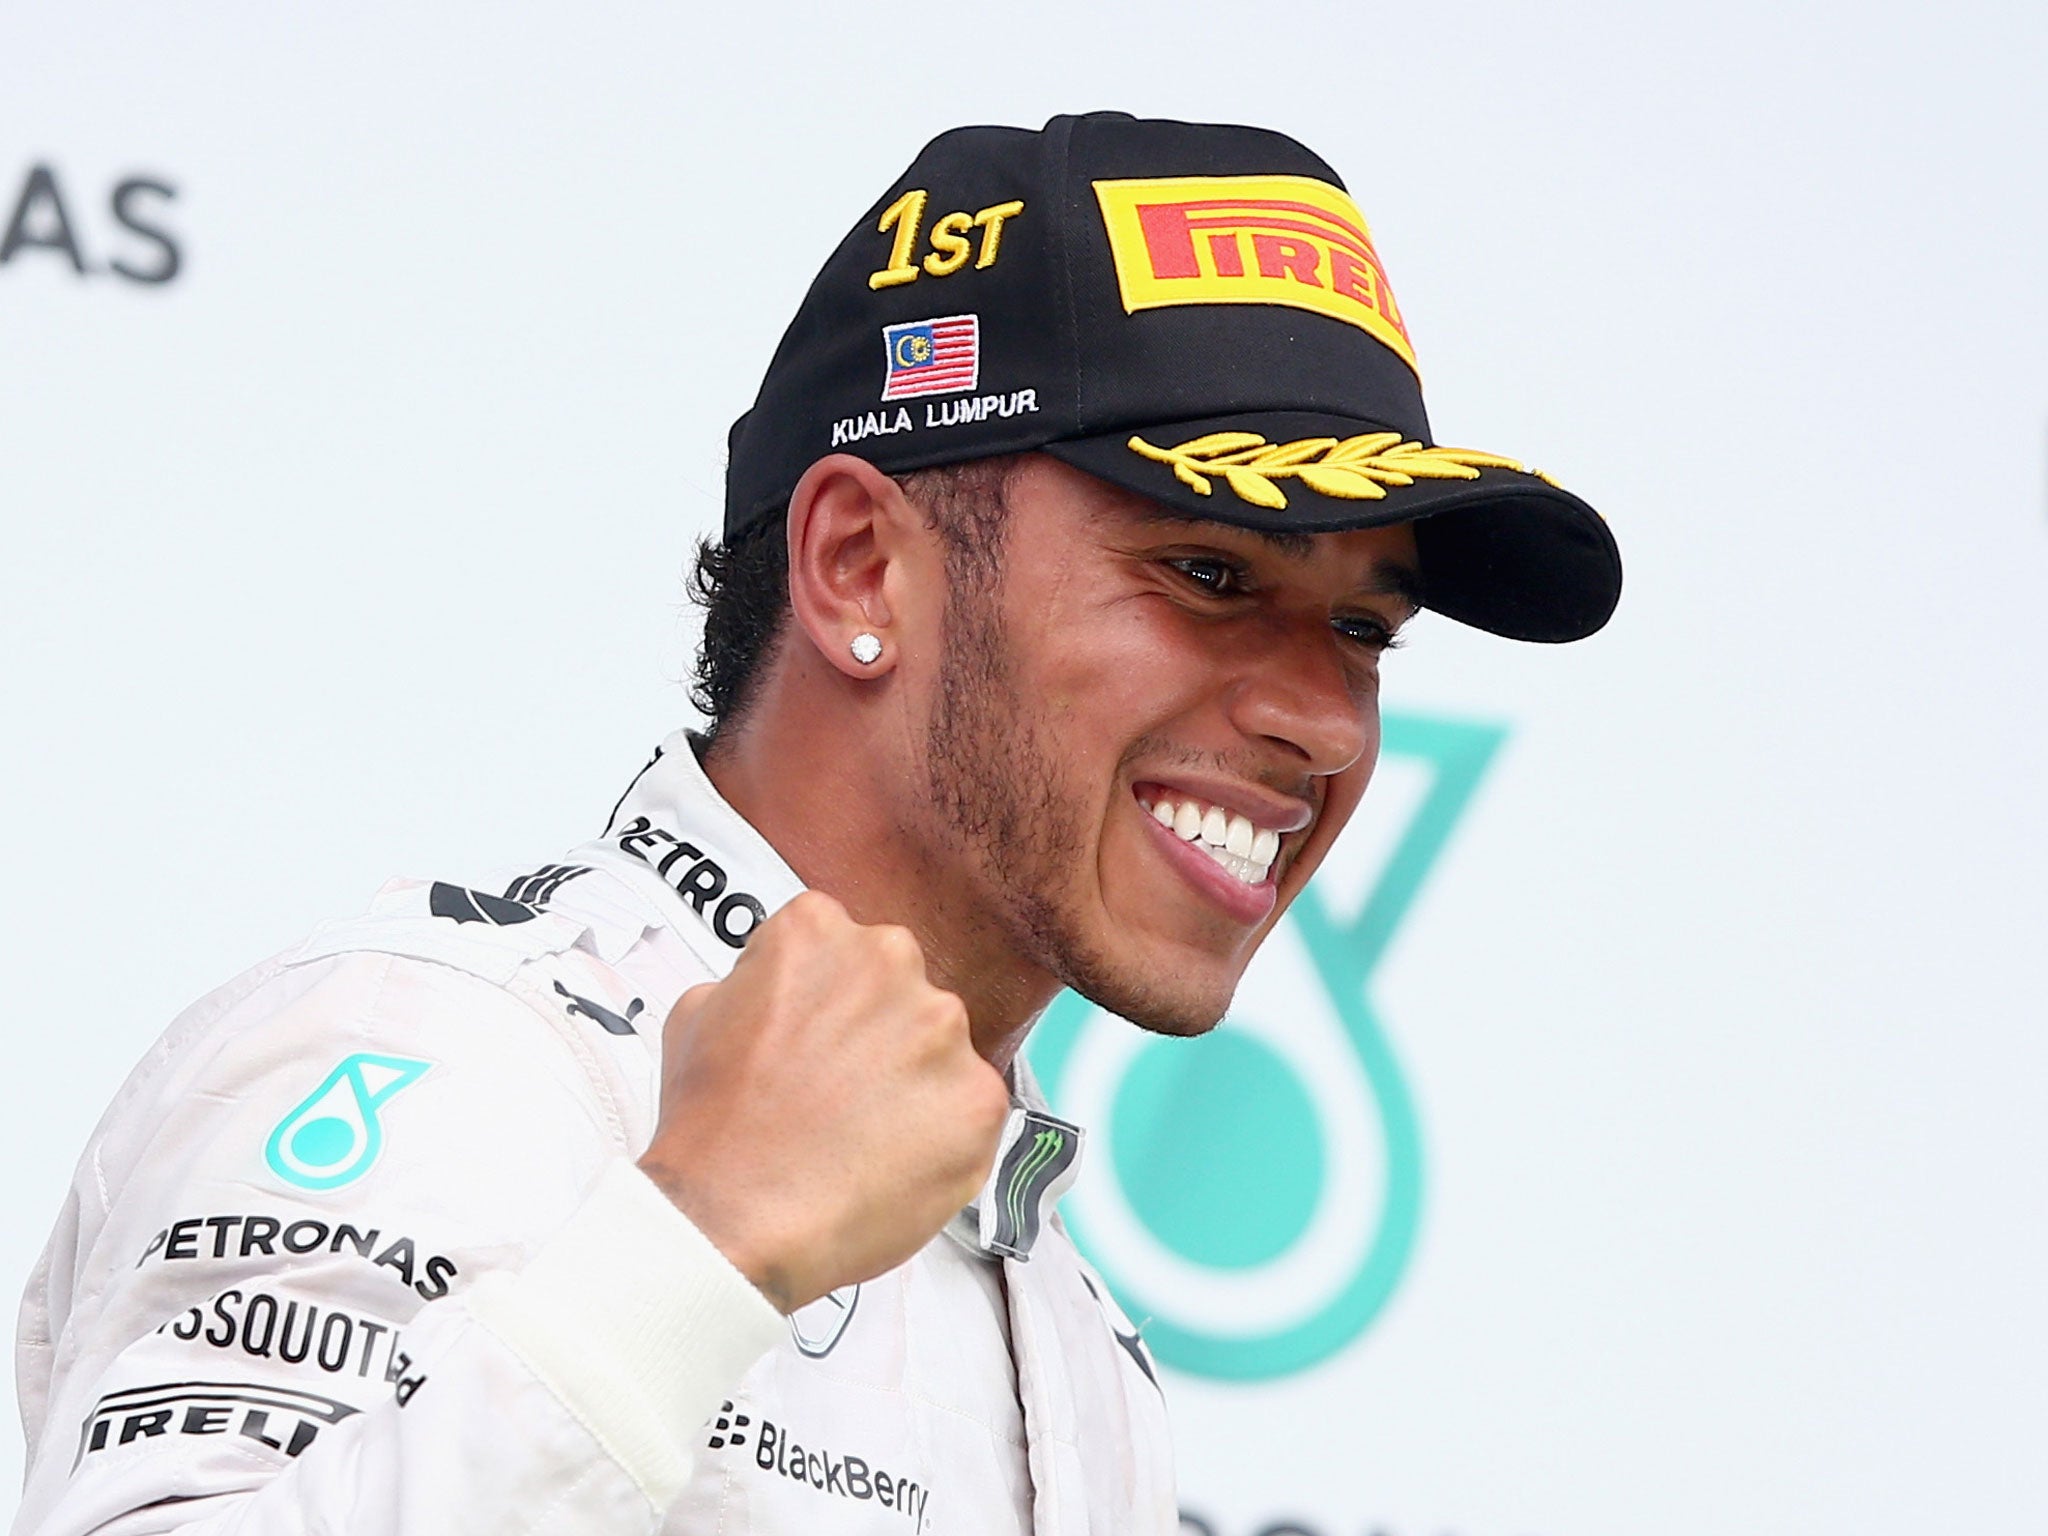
x,y
1249,240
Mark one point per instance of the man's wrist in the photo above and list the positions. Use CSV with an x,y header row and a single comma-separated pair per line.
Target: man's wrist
x,y
730,1233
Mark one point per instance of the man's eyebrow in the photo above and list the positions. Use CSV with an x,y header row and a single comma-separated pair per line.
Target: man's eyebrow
x,y
1402,581
1283,542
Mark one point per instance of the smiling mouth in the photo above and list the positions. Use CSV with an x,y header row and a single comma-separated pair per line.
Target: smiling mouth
x,y
1239,848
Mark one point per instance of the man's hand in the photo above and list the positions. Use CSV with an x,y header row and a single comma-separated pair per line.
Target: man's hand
x,y
823,1112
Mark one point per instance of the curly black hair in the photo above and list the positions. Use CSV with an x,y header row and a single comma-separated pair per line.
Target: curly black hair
x,y
743,585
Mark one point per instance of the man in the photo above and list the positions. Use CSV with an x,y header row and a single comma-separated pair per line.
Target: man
x,y
1078,506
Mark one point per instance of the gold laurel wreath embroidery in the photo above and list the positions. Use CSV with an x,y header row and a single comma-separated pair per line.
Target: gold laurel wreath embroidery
x,y
1354,468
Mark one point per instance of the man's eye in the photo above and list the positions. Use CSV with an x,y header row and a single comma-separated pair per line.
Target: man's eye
x,y
1368,632
1219,578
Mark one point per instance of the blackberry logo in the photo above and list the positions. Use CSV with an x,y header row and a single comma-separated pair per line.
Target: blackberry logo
x,y
730,1428
845,1476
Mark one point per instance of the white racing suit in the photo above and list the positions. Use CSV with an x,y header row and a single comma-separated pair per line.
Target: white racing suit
x,y
361,1247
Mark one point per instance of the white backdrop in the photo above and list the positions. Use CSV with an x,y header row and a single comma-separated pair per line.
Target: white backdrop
x,y
354,548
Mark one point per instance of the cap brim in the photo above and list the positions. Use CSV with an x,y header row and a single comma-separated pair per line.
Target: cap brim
x,y
1502,549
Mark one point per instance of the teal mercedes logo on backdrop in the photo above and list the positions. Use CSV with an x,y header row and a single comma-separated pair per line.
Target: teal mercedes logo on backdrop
x,y
1263,1184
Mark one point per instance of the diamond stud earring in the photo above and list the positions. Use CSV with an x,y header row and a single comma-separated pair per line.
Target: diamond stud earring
x,y
867,650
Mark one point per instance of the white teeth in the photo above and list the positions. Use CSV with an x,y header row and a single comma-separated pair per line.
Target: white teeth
x,y
1239,838
1244,850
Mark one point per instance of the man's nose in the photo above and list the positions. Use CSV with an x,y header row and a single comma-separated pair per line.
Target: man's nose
x,y
1302,691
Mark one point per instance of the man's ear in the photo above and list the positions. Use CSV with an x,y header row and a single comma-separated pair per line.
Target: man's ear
x,y
847,531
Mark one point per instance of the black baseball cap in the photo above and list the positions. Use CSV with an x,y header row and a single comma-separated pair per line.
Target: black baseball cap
x,y
1192,311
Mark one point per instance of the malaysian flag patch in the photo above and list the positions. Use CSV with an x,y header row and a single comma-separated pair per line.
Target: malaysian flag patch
x,y
932,357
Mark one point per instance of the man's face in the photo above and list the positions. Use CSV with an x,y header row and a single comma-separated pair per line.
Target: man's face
x,y
1134,680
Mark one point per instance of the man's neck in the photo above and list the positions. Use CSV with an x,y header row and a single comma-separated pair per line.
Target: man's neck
x,y
828,816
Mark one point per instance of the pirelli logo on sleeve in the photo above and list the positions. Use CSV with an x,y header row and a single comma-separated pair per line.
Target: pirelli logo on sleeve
x,y
1249,240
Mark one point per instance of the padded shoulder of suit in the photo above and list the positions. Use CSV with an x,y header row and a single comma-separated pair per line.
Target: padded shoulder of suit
x,y
488,936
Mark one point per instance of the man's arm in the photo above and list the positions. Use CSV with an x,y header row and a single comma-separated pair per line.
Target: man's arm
x,y
496,1322
246,1351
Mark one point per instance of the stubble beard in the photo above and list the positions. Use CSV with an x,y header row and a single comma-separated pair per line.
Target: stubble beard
x,y
999,800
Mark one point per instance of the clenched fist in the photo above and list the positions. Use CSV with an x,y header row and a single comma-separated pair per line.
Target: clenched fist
x,y
823,1111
